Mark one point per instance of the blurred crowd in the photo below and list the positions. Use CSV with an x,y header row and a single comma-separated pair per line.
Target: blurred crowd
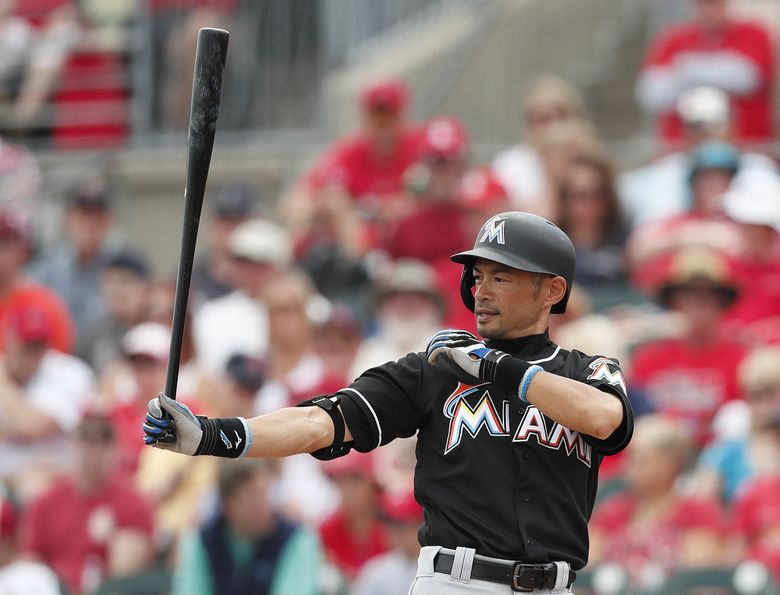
x,y
678,276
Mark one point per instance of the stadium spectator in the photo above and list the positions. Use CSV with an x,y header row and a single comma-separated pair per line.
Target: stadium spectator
x,y
293,368
713,167
20,176
434,226
753,202
660,189
690,375
747,446
18,575
718,50
652,528
179,487
238,322
337,340
248,546
15,287
74,269
549,100
355,186
43,394
408,310
145,350
211,274
125,287
391,572
590,214
353,534
369,165
91,524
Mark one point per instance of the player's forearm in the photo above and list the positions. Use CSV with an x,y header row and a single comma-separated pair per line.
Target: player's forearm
x,y
576,405
289,431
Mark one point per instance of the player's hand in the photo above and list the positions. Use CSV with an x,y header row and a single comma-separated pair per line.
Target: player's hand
x,y
448,339
179,431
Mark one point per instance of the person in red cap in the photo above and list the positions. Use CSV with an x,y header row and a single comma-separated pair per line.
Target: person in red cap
x,y
16,574
435,227
360,173
353,534
42,395
16,287
391,572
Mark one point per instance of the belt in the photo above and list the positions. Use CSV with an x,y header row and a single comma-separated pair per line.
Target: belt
x,y
523,578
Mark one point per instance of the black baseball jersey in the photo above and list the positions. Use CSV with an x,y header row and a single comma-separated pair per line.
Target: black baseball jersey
x,y
493,472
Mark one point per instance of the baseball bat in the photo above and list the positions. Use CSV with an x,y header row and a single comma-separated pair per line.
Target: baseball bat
x,y
210,57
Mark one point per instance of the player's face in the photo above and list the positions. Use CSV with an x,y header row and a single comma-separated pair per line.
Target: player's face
x,y
511,303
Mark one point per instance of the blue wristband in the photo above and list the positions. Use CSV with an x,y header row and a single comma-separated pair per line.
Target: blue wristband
x,y
526,381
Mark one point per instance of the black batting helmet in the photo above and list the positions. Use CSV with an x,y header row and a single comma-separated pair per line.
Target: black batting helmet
x,y
522,241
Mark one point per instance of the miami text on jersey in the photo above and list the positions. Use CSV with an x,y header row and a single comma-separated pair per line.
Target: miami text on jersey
x,y
467,418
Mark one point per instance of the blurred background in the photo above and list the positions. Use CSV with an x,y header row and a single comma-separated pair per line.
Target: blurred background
x,y
360,143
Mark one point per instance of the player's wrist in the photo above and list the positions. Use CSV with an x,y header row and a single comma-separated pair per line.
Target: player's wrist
x,y
224,437
514,375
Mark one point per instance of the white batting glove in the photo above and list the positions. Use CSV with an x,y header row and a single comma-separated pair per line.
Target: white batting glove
x,y
179,431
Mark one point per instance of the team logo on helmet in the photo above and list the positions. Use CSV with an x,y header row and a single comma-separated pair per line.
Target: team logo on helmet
x,y
494,230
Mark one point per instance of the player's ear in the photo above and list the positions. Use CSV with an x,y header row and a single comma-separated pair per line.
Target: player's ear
x,y
555,290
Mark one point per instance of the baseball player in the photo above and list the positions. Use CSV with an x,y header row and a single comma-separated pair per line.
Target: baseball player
x,y
511,429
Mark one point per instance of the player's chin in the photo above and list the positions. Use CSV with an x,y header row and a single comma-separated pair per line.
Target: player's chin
x,y
487,326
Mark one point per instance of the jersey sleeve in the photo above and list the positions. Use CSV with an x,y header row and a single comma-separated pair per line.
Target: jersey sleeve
x,y
384,403
605,374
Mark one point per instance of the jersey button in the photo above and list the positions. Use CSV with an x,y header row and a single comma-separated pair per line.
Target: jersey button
x,y
525,455
528,541
526,498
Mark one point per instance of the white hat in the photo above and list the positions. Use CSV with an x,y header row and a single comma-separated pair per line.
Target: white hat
x,y
754,197
259,240
705,106
151,339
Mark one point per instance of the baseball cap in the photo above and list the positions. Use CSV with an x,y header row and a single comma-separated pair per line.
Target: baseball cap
x,y
754,197
444,138
259,240
150,339
481,189
246,371
390,95
697,267
400,508
704,107
234,201
92,194
714,155
29,321
408,275
130,260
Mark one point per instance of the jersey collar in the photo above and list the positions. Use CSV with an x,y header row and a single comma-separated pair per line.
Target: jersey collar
x,y
524,347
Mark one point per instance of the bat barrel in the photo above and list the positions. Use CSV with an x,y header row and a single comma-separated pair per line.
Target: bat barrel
x,y
210,58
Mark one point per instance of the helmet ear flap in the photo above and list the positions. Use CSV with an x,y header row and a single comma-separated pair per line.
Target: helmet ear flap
x,y
466,283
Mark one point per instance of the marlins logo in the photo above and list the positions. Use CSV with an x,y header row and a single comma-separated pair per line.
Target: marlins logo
x,y
472,419
601,371
494,230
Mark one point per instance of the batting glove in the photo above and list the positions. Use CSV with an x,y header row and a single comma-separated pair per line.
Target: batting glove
x,y
178,431
171,425
480,361
447,339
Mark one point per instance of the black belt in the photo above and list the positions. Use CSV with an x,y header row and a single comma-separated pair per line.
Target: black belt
x,y
521,577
